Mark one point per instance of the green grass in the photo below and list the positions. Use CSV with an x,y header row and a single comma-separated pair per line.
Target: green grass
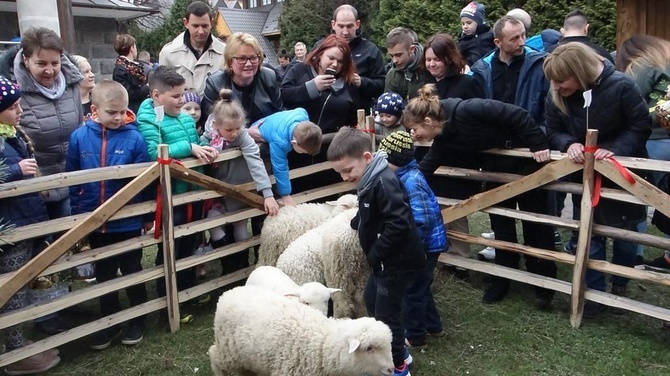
x,y
509,338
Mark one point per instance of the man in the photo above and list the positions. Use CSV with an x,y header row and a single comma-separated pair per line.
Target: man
x,y
368,59
576,29
300,51
512,73
194,53
284,60
405,76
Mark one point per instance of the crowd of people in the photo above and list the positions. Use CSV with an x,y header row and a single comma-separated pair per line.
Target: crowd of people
x,y
439,102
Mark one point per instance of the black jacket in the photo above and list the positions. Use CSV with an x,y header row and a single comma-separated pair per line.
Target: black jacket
x,y
459,85
386,228
474,47
137,91
370,66
329,109
602,51
266,94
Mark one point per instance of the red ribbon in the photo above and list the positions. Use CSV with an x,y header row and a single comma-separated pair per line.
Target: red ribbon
x,y
158,229
590,149
369,130
598,180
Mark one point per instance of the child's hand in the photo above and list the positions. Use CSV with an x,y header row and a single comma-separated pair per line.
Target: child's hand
x,y
271,206
288,201
28,166
255,133
213,153
201,153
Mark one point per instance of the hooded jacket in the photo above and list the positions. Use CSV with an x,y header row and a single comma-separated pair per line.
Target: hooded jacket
x,y
473,47
407,82
94,146
369,63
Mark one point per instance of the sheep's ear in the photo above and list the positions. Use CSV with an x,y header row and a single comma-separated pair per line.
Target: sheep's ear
x,y
353,345
293,293
332,203
331,291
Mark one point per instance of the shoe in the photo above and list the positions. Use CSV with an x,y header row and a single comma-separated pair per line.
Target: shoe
x,y
201,300
618,291
52,352
593,310
185,318
543,298
488,235
487,254
557,239
436,334
51,326
415,342
31,365
570,248
104,338
133,335
496,292
458,273
659,262
402,371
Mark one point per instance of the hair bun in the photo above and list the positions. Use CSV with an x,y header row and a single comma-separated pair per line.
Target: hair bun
x,y
428,91
226,95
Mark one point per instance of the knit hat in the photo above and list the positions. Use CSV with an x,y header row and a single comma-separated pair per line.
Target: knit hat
x,y
475,12
399,147
9,93
190,96
390,103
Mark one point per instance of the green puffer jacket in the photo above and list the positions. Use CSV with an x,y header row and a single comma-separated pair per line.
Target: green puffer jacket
x,y
177,132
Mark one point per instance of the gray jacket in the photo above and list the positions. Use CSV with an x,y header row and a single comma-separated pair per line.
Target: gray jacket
x,y
50,122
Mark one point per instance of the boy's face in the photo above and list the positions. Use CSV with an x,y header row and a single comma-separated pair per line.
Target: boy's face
x,y
110,114
351,169
171,100
12,114
401,55
193,109
388,120
469,26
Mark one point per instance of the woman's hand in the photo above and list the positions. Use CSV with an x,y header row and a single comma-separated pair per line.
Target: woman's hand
x,y
28,166
324,81
542,155
601,154
271,206
576,152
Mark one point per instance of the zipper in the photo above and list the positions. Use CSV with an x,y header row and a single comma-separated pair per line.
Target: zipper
x,y
103,163
323,108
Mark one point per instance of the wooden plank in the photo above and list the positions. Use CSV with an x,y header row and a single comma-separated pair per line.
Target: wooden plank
x,y
65,242
360,114
547,174
167,224
370,126
214,284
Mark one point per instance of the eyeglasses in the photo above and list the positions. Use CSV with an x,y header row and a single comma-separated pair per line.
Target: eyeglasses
x,y
241,60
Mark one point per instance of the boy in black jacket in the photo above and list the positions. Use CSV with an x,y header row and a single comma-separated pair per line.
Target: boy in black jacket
x,y
386,230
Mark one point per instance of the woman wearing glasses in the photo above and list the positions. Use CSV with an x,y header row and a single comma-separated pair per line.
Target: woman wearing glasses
x,y
253,85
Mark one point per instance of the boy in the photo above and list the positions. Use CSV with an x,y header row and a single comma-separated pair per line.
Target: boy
x,y
421,316
386,230
389,110
177,129
285,131
476,37
110,138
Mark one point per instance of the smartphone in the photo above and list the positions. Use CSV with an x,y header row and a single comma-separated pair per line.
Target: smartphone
x,y
330,71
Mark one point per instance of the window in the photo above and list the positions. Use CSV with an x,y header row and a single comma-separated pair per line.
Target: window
x,y
253,3
266,2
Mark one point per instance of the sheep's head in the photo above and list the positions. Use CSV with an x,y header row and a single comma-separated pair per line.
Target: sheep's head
x,y
316,295
343,203
369,350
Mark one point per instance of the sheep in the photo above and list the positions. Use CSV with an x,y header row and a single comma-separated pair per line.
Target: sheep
x,y
331,254
258,332
313,294
292,221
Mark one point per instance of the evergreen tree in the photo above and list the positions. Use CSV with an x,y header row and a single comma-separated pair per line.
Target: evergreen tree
x,y
154,40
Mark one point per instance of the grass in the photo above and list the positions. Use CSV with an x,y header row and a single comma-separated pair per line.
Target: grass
x,y
509,338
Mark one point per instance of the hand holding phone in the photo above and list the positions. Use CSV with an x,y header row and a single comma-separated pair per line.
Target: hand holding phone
x,y
330,71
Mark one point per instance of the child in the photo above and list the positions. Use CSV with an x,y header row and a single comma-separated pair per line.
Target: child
x,y
386,230
192,108
285,131
476,37
421,316
110,138
177,129
225,128
16,150
389,109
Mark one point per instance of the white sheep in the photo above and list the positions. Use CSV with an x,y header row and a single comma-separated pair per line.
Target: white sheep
x,y
331,254
313,294
258,332
292,221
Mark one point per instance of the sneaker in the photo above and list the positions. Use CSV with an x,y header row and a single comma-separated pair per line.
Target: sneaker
x,y
408,357
415,342
133,335
543,298
437,333
31,365
51,326
488,235
185,318
659,262
201,300
496,292
487,254
402,371
570,248
104,338
593,310
557,238
458,273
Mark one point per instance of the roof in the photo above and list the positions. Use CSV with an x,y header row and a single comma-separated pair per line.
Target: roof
x,y
259,22
116,9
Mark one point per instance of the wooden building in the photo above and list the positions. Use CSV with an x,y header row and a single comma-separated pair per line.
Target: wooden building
x,y
642,17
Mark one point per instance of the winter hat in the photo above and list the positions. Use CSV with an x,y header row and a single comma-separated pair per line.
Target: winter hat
x,y
390,103
190,96
9,93
474,12
399,147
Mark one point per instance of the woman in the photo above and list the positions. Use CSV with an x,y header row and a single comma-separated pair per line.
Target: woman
x,y
87,84
129,72
455,126
52,110
622,119
252,84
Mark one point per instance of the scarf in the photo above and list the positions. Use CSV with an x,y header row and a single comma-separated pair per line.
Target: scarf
x,y
376,166
7,131
215,140
134,69
55,91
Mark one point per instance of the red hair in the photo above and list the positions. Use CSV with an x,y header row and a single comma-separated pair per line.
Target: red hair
x,y
348,67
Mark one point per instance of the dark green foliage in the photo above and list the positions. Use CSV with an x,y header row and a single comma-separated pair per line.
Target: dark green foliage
x,y
172,26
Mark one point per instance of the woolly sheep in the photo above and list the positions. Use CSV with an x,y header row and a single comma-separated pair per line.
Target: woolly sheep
x,y
313,294
258,332
331,254
292,221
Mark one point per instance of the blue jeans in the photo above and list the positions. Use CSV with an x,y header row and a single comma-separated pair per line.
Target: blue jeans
x,y
419,311
624,253
383,300
659,150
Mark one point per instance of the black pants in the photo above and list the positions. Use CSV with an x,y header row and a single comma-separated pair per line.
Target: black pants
x,y
129,263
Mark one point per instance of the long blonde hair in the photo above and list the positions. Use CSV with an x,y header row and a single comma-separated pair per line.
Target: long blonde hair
x,y
427,104
642,51
572,60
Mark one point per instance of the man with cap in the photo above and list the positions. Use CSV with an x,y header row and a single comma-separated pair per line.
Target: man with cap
x,y
420,315
476,37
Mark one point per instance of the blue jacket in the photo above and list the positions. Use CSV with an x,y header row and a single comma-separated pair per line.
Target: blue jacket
x,y
25,209
532,87
277,130
545,41
93,146
425,209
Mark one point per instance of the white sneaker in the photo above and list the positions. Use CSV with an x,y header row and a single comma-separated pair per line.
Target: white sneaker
x,y
488,235
489,253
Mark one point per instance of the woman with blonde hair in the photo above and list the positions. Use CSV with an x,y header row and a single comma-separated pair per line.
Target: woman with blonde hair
x,y
87,84
622,119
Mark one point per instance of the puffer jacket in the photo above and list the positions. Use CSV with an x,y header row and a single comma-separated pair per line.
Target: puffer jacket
x,y
474,47
49,123
407,82
94,146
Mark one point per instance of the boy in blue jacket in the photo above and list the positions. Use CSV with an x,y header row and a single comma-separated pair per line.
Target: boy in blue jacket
x,y
110,138
285,131
420,314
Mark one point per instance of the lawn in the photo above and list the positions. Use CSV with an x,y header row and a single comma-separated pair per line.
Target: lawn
x,y
509,338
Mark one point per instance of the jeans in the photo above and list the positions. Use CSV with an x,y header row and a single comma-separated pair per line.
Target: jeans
x,y
623,254
659,150
383,300
419,311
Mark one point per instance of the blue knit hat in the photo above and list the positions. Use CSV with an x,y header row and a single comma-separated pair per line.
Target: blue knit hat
x,y
190,96
390,103
9,93
475,12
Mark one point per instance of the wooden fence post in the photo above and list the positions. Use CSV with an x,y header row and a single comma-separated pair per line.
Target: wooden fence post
x,y
167,223
370,126
361,119
585,226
